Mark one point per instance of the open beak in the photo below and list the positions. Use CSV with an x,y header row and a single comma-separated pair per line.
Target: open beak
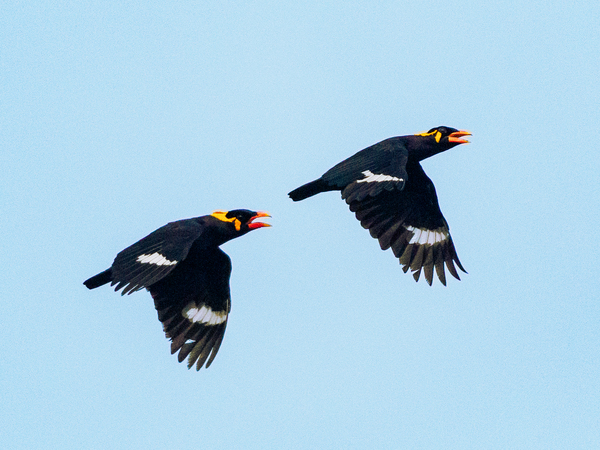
x,y
254,225
456,137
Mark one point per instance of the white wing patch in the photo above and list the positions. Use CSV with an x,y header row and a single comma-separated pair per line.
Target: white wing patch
x,y
203,315
155,258
372,177
423,236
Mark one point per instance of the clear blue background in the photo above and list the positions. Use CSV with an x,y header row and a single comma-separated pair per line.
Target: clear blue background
x,y
119,117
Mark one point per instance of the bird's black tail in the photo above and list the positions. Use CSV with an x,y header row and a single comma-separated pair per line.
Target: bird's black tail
x,y
99,280
310,189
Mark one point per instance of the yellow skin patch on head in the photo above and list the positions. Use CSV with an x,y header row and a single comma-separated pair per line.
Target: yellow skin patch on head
x,y
438,135
222,216
425,133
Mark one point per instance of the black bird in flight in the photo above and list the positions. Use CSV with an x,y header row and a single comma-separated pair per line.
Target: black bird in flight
x,y
187,275
387,189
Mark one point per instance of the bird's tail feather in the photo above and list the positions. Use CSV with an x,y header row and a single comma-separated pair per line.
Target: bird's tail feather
x,y
99,280
310,189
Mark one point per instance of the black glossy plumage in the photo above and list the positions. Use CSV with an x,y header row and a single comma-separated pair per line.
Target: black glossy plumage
x,y
392,197
187,275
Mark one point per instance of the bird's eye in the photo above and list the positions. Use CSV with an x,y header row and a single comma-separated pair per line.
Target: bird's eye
x,y
242,217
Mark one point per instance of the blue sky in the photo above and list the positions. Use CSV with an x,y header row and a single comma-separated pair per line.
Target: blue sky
x,y
119,117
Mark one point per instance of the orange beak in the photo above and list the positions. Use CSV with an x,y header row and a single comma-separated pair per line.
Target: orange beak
x,y
254,225
456,137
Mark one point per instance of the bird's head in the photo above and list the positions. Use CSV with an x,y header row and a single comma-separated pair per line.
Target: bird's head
x,y
436,140
240,221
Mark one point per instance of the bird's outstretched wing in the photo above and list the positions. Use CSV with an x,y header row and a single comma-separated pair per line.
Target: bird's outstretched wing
x,y
193,304
410,222
155,256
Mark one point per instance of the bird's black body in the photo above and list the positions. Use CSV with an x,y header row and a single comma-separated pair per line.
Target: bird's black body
x,y
387,189
187,275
